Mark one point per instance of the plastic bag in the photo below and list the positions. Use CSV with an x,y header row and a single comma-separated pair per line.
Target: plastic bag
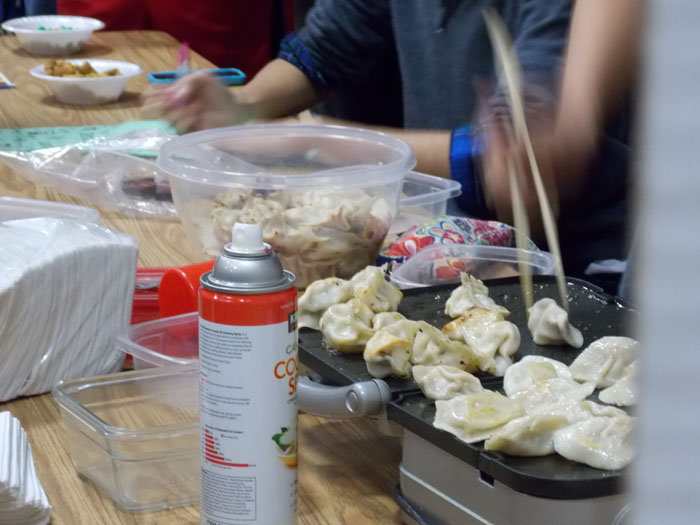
x,y
114,172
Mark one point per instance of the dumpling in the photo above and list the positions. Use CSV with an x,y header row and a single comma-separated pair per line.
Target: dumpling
x,y
346,326
530,435
405,329
432,347
600,442
605,360
531,369
319,296
492,339
549,324
624,392
587,409
384,319
372,288
474,417
445,382
470,294
549,394
386,354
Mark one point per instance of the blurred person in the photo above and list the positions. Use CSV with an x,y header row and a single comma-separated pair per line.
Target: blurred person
x,y
230,33
583,154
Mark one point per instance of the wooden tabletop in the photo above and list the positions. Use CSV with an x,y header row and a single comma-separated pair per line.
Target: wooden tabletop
x,y
347,468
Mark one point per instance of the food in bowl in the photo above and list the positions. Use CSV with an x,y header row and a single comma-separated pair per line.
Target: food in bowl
x,y
52,35
61,68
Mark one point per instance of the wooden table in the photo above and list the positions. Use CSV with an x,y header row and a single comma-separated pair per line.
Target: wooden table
x,y
347,469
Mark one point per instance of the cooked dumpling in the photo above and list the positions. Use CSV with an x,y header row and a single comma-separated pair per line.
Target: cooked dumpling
x,y
474,417
385,319
372,288
600,442
549,394
405,329
346,326
386,354
472,293
605,360
549,324
432,347
445,382
587,409
492,339
624,392
530,435
319,296
531,369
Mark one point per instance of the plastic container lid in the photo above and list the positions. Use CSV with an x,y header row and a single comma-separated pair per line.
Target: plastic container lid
x,y
442,264
423,197
12,208
287,156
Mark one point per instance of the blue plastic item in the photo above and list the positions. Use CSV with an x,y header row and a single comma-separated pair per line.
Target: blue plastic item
x,y
229,76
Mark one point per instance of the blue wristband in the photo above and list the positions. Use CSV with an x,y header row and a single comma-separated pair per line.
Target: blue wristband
x,y
465,147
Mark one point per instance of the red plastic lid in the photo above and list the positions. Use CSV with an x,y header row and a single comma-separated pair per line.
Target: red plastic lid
x,y
177,293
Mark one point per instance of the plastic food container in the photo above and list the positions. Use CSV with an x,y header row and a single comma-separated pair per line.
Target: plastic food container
x,y
423,197
442,264
325,196
167,341
12,208
136,434
89,90
53,35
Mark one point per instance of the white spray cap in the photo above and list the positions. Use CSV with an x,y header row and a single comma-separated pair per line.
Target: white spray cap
x,y
247,239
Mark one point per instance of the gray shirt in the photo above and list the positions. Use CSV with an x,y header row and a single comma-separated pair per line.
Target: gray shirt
x,y
442,48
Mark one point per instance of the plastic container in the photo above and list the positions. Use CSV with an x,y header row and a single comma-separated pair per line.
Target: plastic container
x,y
146,289
60,36
168,341
325,196
136,434
12,208
442,264
89,90
423,197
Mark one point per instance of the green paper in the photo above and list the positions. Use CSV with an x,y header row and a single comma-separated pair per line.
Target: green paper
x,y
30,139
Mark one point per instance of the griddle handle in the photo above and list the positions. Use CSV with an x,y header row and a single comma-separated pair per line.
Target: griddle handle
x,y
365,398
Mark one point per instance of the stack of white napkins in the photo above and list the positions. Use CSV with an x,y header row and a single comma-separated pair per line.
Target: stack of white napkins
x,y
65,291
22,500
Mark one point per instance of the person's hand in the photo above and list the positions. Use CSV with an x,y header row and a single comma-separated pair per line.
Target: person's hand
x,y
195,102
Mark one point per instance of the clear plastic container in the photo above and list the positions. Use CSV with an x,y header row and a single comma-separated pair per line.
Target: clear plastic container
x,y
136,434
61,35
172,340
12,208
325,196
423,197
442,264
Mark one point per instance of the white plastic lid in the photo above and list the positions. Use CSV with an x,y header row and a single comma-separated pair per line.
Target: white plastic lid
x,y
248,239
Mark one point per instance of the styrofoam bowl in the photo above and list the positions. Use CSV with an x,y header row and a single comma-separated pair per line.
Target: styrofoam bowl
x,y
56,42
88,91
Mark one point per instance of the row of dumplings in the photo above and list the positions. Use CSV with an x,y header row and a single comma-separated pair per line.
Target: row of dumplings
x,y
544,409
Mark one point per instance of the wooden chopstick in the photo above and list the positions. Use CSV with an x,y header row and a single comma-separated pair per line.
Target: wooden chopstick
x,y
509,69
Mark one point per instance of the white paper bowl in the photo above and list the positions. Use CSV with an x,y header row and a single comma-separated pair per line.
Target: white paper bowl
x,y
87,91
58,42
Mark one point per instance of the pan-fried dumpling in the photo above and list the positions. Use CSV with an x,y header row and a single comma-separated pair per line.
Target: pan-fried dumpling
x,y
605,360
432,347
470,294
600,442
372,288
530,435
492,339
319,296
531,369
384,319
405,329
587,409
346,326
549,394
386,354
549,324
445,382
624,392
474,417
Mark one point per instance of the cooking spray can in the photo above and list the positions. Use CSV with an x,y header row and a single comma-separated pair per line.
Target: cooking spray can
x,y
248,375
